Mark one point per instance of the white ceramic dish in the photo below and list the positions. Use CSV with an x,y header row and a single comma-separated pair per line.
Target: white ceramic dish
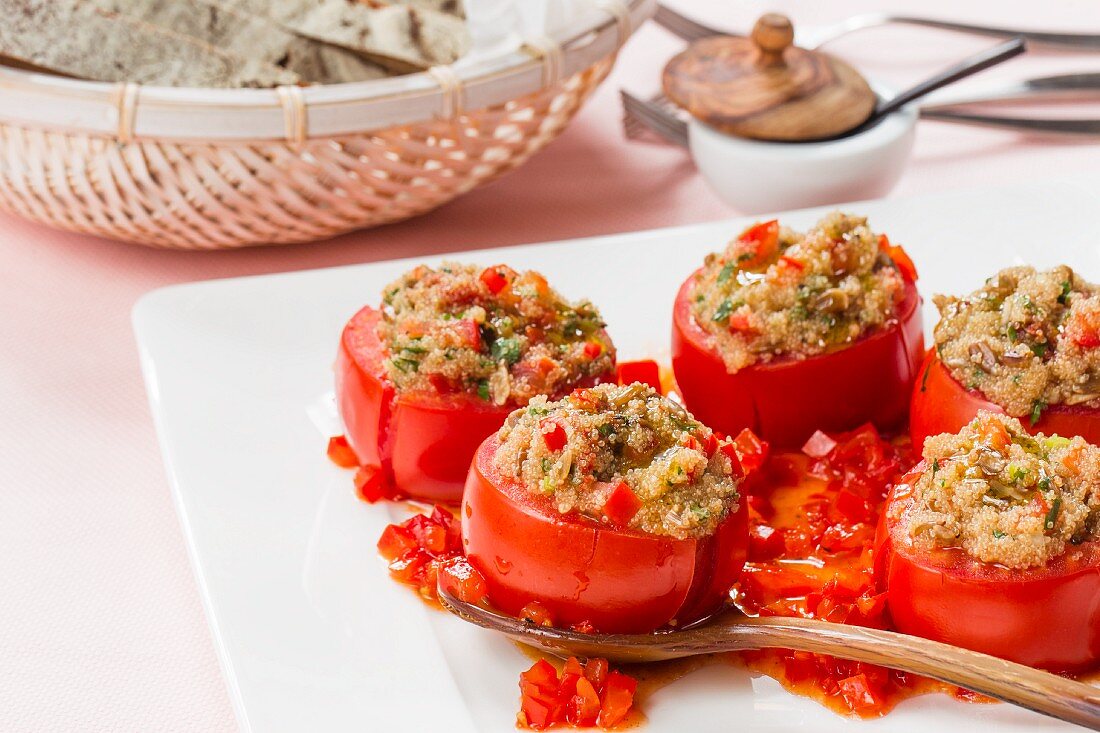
x,y
312,633
755,176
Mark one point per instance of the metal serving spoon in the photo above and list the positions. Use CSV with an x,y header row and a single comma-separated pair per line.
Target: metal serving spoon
x,y
1042,692
815,37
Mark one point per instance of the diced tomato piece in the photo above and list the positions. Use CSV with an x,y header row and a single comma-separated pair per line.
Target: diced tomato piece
x,y
645,371
819,445
539,701
443,517
871,605
410,567
573,667
596,672
710,443
340,453
494,279
395,542
791,263
858,693
799,666
751,452
741,323
542,675
371,484
757,244
468,332
765,543
537,614
621,505
584,627
618,697
592,349
690,442
462,580
553,434
583,708
430,535
1083,328
851,506
995,434
901,259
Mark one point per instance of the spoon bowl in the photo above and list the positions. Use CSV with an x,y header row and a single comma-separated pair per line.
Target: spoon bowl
x,y
1042,692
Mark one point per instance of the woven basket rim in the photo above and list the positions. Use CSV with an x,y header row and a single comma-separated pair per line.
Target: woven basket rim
x,y
126,111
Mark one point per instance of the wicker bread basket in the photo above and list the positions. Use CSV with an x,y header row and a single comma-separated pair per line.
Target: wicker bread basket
x,y
211,168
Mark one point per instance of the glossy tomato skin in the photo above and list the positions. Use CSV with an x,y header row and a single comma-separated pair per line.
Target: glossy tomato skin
x,y
423,441
582,570
940,404
786,400
1045,617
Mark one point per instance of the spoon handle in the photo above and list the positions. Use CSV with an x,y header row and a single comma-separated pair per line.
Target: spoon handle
x,y
966,67
1043,692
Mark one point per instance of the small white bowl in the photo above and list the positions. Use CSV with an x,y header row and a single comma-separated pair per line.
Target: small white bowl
x,y
755,176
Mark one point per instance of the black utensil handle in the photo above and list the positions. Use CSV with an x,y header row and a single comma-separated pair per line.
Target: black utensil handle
x,y
972,65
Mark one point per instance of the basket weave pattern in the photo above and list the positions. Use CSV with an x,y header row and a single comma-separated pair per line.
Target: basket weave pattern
x,y
193,195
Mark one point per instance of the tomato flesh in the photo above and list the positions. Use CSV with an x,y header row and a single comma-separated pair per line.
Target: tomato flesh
x,y
1045,617
786,400
940,404
340,453
583,571
427,548
419,443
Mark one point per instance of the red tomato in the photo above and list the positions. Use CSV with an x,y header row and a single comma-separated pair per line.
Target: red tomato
x,y
941,405
784,401
421,442
582,570
1044,617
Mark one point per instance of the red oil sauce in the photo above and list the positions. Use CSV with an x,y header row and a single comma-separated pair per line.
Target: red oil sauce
x,y
812,525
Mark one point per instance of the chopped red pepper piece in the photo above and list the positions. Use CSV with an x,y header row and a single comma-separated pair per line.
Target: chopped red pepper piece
x,y
340,453
757,244
593,349
645,371
553,434
583,708
621,505
494,279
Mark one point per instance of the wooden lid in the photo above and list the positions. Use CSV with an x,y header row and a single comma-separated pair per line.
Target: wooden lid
x,y
762,87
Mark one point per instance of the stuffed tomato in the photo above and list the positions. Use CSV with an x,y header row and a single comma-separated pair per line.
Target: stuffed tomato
x,y
611,510
1024,344
991,543
787,334
423,380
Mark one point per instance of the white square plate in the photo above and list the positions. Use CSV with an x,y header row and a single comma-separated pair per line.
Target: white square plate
x,y
311,632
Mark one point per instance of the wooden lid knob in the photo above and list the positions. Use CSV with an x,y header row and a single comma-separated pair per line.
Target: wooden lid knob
x,y
773,34
765,88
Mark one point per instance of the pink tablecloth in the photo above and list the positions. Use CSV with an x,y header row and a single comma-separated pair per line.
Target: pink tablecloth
x,y
100,623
